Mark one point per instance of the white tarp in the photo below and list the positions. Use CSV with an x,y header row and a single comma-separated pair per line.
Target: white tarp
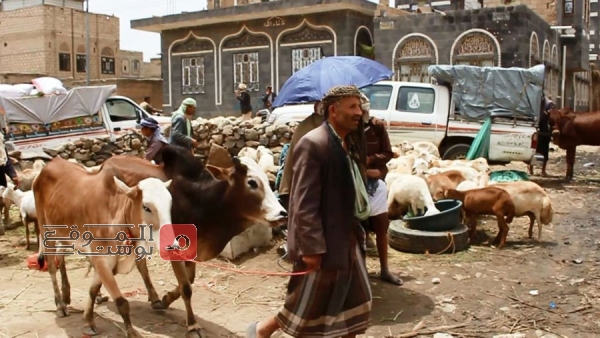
x,y
480,92
80,101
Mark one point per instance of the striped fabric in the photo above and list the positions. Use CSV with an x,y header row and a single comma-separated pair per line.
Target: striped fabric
x,y
328,303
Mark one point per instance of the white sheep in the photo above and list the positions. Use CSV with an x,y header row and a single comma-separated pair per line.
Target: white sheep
x,y
480,164
420,167
5,206
530,200
402,164
249,152
420,146
409,191
266,160
26,204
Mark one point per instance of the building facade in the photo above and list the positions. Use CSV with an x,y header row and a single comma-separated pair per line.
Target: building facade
x,y
207,54
48,38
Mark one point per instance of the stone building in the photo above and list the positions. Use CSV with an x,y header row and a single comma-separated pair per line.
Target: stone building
x,y
48,38
207,54
497,35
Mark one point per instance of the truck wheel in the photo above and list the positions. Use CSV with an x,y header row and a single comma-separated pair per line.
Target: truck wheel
x,y
408,240
456,152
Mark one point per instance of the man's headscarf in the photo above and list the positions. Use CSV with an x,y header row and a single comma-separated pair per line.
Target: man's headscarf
x,y
365,105
337,93
181,111
153,124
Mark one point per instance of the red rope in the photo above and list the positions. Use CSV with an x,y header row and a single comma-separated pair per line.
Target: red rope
x,y
255,272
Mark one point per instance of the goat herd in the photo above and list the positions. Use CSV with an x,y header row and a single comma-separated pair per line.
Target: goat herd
x,y
417,177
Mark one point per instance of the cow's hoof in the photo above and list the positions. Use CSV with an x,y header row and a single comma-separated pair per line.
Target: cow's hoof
x,y
101,299
165,302
91,330
157,305
193,332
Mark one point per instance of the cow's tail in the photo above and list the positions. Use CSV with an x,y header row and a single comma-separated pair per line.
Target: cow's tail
x,y
547,213
41,258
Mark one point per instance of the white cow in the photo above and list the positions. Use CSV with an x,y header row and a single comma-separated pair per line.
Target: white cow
x,y
275,213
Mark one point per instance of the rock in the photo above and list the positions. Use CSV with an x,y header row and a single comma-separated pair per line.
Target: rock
x,y
228,130
96,148
436,280
34,154
217,138
442,335
90,163
253,144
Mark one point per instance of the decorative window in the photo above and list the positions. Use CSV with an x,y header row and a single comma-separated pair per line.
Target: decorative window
x,y
245,70
108,65
192,75
476,49
80,63
302,57
413,59
64,62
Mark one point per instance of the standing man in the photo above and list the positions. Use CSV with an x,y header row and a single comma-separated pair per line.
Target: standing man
x,y
148,107
325,239
181,125
544,133
151,131
379,152
245,104
308,124
268,98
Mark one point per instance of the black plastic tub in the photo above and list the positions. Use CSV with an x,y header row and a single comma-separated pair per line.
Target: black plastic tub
x,y
448,218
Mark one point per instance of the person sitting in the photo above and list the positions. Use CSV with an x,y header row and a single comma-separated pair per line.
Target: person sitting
x,y
156,141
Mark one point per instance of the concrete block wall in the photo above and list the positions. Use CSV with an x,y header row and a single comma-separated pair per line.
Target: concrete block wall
x,y
30,40
22,47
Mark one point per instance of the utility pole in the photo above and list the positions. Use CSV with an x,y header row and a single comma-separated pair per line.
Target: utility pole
x,y
87,42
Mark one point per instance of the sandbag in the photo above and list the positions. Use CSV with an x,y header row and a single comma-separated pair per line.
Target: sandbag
x,y
49,85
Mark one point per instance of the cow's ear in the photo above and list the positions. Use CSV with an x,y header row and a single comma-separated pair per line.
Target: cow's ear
x,y
122,187
218,173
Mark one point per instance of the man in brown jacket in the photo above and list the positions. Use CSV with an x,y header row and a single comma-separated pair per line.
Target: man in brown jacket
x,y
308,124
379,152
331,295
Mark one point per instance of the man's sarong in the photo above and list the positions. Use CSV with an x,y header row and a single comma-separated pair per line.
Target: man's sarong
x,y
328,303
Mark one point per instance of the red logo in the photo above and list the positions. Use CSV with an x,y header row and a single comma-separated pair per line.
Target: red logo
x,y
178,242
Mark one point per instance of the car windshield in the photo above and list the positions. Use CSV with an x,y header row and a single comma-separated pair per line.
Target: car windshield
x,y
379,95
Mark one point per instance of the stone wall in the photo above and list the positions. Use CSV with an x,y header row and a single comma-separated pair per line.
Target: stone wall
x,y
224,131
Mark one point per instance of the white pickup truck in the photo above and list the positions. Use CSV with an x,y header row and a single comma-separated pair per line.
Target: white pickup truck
x,y
417,111
116,116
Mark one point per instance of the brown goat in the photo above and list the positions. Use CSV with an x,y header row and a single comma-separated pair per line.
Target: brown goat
x,y
438,183
486,201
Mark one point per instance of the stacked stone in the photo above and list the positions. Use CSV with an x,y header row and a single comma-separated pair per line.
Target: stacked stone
x,y
227,132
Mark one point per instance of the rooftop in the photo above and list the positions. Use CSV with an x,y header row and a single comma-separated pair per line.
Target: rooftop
x,y
254,11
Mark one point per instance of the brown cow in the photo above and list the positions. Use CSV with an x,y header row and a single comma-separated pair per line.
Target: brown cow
x,y
220,209
67,195
570,129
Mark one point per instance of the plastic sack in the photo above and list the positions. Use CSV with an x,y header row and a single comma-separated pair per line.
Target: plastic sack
x,y
49,85
10,91
24,88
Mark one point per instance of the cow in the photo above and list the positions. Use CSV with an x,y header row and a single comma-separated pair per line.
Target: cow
x,y
67,197
220,202
570,129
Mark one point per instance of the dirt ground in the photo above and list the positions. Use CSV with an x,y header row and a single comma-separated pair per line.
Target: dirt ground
x,y
549,289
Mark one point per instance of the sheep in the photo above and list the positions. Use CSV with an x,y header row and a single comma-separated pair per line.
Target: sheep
x,y
420,146
420,167
266,160
409,191
402,164
26,203
530,200
5,206
486,201
391,177
249,152
468,173
467,185
27,176
438,183
480,164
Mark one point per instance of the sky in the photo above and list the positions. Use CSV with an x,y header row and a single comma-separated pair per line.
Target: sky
x,y
127,10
